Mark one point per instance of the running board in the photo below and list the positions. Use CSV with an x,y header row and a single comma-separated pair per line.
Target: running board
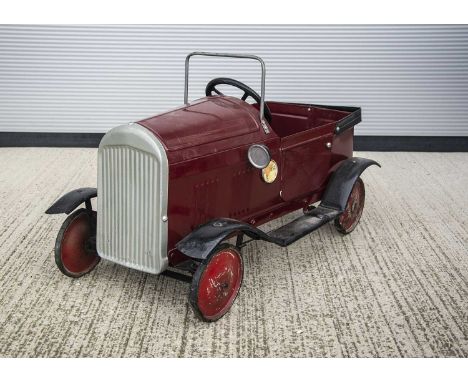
x,y
302,226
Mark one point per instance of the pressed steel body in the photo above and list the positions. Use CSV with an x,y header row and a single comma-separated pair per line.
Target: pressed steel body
x,y
210,175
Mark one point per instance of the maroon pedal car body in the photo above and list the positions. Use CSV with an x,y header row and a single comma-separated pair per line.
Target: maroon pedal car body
x,y
210,175
174,189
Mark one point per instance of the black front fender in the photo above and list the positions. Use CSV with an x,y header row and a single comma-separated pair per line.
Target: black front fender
x,y
202,241
68,202
342,181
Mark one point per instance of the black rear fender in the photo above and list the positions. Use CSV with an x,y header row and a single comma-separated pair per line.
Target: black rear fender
x,y
342,181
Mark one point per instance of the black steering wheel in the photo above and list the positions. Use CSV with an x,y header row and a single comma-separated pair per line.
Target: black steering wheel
x,y
248,92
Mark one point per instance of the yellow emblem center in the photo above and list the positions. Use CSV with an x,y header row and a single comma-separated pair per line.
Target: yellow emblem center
x,y
270,172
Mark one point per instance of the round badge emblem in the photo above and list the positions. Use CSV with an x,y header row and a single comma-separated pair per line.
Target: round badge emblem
x,y
270,172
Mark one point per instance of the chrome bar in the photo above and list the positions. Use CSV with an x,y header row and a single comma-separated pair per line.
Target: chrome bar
x,y
230,55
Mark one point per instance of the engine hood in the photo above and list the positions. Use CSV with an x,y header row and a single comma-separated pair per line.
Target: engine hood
x,y
207,120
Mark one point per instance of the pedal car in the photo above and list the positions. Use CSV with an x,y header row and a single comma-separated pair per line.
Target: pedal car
x,y
173,189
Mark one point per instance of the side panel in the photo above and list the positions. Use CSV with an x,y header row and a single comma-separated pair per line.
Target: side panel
x,y
202,241
221,185
132,203
305,161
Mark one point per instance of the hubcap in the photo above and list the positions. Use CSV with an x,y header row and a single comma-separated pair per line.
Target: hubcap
x,y
219,283
354,207
76,255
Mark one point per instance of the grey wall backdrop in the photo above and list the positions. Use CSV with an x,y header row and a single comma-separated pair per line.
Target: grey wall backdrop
x,y
409,80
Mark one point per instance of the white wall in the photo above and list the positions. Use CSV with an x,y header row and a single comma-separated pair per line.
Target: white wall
x,y
409,80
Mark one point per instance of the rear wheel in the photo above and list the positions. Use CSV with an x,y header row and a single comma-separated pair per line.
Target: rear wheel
x,y
348,220
216,283
75,247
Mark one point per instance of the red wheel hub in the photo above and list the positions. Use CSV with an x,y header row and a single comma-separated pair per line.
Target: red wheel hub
x,y
219,283
354,207
75,257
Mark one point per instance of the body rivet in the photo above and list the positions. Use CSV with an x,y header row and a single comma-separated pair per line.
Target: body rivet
x,y
329,145
164,218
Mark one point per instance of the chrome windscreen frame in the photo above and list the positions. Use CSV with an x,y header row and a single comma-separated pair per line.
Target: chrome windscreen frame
x,y
232,55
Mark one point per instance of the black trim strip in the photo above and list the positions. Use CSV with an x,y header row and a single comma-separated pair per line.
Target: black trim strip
x,y
361,143
349,121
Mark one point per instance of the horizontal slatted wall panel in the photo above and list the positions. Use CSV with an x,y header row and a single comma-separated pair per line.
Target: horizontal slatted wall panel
x,y
409,80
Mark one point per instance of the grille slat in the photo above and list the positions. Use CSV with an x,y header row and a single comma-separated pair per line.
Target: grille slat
x,y
131,202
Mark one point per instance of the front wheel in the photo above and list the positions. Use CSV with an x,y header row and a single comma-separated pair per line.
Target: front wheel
x,y
75,247
348,220
216,283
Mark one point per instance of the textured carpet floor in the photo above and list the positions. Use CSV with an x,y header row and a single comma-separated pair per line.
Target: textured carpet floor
x,y
397,286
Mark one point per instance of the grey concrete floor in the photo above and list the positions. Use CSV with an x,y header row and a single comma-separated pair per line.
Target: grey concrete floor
x,y
396,287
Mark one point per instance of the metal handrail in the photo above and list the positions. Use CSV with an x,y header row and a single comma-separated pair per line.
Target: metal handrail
x,y
231,55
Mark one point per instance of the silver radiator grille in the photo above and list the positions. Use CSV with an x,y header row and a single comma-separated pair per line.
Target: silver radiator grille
x,y
130,227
